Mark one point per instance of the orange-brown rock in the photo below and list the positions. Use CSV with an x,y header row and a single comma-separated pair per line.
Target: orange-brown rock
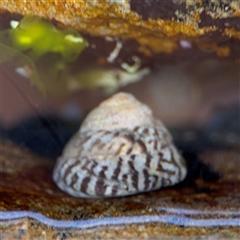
x,y
155,26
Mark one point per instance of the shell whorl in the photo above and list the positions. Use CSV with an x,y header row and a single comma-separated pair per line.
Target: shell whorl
x,y
120,111
119,150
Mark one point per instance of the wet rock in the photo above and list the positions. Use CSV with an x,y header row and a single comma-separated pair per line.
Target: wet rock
x,y
32,206
154,31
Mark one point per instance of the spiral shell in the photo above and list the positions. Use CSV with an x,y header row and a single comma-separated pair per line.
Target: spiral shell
x,y
120,149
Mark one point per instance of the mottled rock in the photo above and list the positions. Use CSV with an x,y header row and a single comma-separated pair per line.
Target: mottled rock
x,y
203,209
151,30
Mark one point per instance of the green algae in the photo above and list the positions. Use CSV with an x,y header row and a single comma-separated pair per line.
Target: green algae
x,y
42,52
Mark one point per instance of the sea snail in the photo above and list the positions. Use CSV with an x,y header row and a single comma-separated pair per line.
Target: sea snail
x,y
119,150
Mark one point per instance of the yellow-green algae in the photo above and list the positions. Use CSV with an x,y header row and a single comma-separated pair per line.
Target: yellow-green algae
x,y
45,50
42,37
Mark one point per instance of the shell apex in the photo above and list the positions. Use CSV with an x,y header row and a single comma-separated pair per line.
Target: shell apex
x,y
122,110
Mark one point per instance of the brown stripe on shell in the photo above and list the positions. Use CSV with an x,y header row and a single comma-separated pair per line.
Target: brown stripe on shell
x,y
129,137
173,161
84,184
124,177
155,181
117,169
136,129
146,179
90,169
133,156
148,160
146,131
97,142
85,138
155,134
68,171
129,150
114,190
134,174
166,182
100,187
116,134
155,145
119,149
110,146
142,145
160,167
102,145
165,145
74,179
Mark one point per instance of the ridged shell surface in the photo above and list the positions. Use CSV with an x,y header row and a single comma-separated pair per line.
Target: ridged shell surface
x,y
119,150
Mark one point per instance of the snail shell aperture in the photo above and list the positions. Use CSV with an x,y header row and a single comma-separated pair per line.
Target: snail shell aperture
x,y
119,150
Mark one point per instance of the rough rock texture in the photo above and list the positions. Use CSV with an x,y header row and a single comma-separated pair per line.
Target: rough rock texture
x,y
154,31
201,208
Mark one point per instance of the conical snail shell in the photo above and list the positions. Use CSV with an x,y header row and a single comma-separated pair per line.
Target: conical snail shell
x,y
119,150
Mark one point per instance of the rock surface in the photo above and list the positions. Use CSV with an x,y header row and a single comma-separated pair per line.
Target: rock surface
x,y
203,208
154,31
